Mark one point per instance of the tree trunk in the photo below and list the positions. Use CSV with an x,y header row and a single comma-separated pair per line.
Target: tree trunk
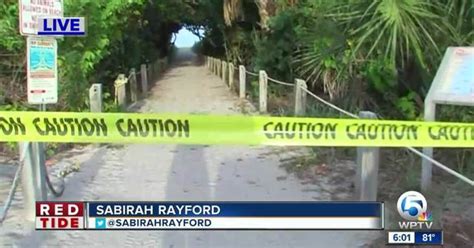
x,y
266,9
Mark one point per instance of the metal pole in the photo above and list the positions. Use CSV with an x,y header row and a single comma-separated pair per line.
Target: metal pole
x,y
40,153
33,175
426,166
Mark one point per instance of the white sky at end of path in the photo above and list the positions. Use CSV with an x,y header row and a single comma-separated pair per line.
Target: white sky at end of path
x,y
184,38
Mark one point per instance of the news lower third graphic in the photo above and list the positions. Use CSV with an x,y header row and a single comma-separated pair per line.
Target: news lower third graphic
x,y
209,215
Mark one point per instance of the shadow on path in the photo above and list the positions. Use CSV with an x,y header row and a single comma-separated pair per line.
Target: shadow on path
x,y
187,181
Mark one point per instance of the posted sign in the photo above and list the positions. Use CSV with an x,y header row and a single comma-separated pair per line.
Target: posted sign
x,y
459,79
30,10
42,70
454,81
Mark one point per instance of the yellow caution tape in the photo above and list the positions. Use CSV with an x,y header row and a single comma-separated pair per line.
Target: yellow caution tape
x,y
239,130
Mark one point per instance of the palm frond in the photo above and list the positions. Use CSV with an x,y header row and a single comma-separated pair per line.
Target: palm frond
x,y
232,10
401,28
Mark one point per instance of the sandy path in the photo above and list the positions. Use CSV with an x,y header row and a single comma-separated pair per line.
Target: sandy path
x,y
167,172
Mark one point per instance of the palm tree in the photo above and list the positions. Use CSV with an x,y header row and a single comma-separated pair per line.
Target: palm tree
x,y
232,10
266,8
398,31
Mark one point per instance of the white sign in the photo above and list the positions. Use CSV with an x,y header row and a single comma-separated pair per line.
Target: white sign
x,y
453,84
30,10
42,70
454,81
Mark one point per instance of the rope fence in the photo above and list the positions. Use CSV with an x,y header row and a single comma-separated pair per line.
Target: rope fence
x,y
440,165
330,104
251,73
300,102
132,73
280,82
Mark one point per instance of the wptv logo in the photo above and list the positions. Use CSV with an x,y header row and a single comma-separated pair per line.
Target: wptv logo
x,y
412,207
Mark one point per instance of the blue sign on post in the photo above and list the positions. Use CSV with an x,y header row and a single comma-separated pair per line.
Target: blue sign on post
x,y
42,72
71,26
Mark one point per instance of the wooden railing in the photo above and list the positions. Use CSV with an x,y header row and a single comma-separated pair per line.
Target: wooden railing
x,y
128,90
367,158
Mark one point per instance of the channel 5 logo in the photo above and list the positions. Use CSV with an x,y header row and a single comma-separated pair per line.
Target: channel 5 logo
x,y
412,206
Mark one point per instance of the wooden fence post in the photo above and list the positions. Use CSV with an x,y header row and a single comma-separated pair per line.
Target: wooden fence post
x,y
95,98
262,94
300,97
221,68
242,81
214,70
120,90
164,63
157,69
224,71
149,70
133,86
231,75
144,80
367,167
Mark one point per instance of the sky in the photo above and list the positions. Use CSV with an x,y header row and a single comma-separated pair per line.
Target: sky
x,y
185,38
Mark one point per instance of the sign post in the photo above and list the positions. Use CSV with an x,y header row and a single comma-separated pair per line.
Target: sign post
x,y
42,80
453,84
